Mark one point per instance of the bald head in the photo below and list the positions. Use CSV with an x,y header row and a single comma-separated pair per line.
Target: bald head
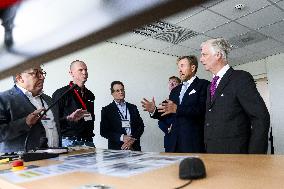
x,y
76,62
79,72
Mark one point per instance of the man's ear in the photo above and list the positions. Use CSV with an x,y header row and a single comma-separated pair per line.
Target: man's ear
x,y
19,78
193,68
219,55
70,73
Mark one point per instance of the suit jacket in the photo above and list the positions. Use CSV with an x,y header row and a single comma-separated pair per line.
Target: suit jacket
x,y
14,108
237,120
164,125
111,126
187,128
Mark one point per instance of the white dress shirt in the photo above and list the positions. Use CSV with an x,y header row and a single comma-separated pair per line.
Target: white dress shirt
x,y
221,73
125,115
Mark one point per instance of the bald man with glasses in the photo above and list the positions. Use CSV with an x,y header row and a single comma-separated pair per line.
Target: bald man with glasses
x,y
20,114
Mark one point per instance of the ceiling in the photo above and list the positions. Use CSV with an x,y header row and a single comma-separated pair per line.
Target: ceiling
x,y
255,29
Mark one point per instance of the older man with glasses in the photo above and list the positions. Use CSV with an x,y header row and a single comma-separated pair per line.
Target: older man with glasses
x,y
20,114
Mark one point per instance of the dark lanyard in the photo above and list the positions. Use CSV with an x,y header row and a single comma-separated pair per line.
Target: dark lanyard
x,y
42,103
79,97
121,115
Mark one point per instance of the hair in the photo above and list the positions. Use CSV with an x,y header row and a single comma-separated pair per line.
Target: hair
x,y
115,83
192,60
14,76
175,78
73,62
219,45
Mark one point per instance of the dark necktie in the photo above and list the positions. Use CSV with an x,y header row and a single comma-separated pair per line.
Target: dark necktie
x,y
213,86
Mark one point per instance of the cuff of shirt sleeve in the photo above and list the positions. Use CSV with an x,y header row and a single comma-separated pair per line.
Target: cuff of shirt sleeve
x,y
152,113
121,138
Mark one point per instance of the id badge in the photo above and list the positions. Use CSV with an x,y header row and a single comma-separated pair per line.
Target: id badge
x,y
47,123
125,123
88,117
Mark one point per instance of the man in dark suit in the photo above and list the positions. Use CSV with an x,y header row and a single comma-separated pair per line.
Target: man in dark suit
x,y
164,123
187,104
121,123
237,120
20,109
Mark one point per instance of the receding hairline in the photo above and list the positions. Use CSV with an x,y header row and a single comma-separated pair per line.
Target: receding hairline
x,y
76,62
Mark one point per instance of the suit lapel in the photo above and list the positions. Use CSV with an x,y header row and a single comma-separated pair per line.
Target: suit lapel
x,y
20,98
117,117
190,88
224,81
176,95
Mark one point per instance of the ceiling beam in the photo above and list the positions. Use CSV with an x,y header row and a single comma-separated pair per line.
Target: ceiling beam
x,y
121,26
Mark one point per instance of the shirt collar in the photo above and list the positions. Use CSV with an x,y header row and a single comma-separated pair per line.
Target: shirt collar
x,y
28,93
190,81
222,72
121,103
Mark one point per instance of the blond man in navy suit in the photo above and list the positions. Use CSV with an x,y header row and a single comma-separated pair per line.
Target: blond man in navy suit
x,y
186,104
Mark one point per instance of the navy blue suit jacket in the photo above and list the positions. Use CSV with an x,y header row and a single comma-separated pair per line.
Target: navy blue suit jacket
x,y
188,125
164,125
111,127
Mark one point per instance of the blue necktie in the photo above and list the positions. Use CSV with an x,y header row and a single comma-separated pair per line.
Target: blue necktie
x,y
183,89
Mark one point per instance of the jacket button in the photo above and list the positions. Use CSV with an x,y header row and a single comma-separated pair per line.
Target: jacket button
x,y
209,110
207,124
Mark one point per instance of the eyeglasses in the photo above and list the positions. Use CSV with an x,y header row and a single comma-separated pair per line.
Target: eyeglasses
x,y
119,90
37,73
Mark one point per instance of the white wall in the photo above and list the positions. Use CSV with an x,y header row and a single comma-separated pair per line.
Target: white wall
x,y
273,68
275,72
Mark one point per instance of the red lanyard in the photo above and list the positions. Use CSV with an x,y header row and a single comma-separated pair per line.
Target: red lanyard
x,y
79,98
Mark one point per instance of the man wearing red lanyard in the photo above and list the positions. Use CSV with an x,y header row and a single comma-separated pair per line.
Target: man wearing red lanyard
x,y
121,123
76,109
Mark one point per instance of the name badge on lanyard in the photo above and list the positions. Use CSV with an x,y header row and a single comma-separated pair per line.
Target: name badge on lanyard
x,y
125,123
88,117
47,123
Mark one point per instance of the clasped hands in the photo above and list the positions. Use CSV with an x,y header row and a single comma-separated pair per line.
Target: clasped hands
x,y
128,141
166,107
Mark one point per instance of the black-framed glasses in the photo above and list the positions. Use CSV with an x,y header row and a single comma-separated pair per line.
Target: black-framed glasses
x,y
37,73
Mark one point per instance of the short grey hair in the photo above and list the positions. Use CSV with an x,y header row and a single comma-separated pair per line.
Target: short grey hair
x,y
74,62
219,45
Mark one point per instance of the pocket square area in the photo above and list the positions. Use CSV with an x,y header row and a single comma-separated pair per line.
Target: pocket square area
x,y
192,92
